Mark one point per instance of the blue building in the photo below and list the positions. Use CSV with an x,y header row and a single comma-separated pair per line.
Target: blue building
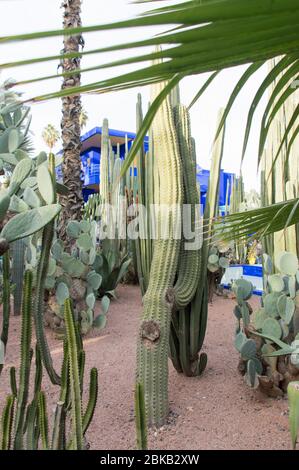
x,y
91,155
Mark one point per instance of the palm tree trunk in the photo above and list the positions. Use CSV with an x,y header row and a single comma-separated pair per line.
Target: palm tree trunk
x,y
70,123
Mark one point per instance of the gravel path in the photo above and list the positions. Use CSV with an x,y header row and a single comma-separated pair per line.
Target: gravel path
x,y
214,411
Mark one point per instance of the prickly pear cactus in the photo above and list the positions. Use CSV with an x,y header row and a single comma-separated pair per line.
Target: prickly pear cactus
x,y
72,275
218,257
268,339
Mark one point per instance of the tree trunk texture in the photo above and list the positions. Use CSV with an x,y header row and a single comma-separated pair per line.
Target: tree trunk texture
x,y
70,123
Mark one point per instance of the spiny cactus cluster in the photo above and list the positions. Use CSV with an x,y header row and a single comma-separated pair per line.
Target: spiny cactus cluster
x,y
268,340
73,275
25,418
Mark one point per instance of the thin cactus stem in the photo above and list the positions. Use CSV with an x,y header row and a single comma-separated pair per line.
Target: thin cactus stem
x,y
7,423
58,435
17,271
140,418
81,368
42,269
32,429
26,355
38,371
64,387
77,431
92,400
43,420
6,302
188,269
13,381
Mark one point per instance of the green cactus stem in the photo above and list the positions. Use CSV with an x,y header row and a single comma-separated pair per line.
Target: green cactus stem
x,y
17,273
92,400
26,355
140,418
38,306
58,435
6,302
43,420
13,381
32,429
188,268
7,423
152,349
77,430
293,397
38,371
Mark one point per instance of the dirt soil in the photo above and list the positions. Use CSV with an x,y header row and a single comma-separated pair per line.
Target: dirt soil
x,y
214,411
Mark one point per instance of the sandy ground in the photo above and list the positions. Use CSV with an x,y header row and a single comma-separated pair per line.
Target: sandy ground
x,y
214,411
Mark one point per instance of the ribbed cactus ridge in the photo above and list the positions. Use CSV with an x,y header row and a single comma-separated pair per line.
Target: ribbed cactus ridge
x,y
188,267
6,301
58,434
43,420
26,354
140,418
152,355
38,371
32,428
189,323
13,381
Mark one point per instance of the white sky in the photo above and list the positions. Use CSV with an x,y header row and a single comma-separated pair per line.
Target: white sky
x,y
18,16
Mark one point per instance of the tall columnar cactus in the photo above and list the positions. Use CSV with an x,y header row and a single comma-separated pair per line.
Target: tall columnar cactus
x,y
6,307
26,356
187,297
189,261
17,272
280,168
190,318
77,430
152,354
104,170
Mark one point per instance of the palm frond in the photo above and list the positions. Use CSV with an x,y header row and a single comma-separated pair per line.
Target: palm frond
x,y
258,222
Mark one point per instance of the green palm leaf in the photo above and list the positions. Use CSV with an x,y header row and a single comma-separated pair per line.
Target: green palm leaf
x,y
258,222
